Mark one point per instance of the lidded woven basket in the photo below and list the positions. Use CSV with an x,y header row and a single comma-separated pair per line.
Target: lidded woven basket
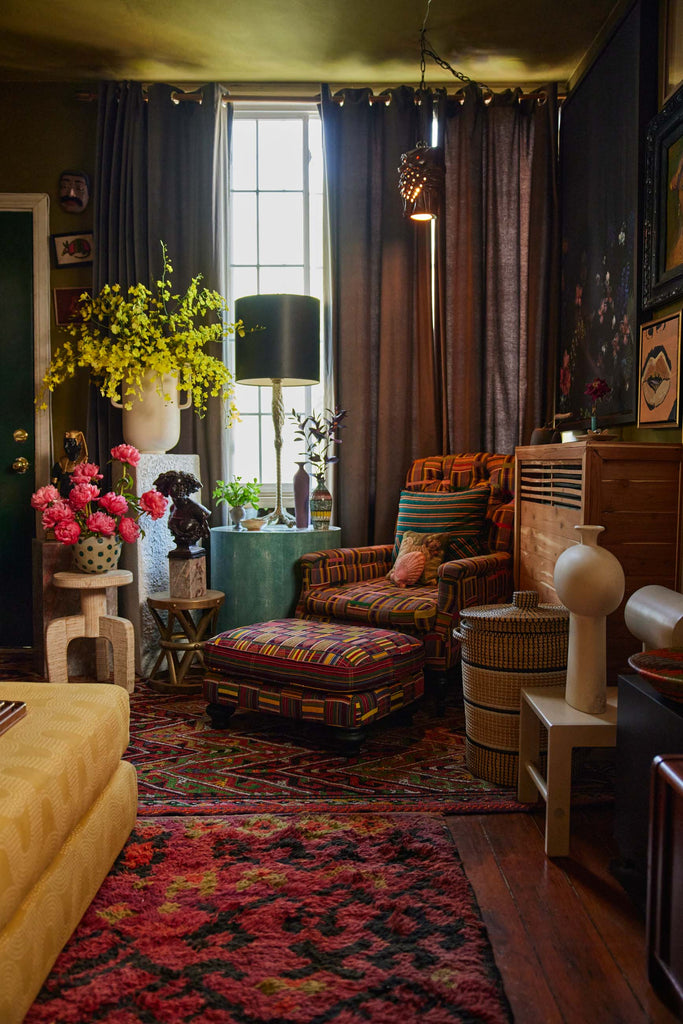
x,y
506,647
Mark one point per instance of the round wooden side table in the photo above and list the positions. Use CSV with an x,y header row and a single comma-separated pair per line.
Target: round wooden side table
x,y
92,622
189,621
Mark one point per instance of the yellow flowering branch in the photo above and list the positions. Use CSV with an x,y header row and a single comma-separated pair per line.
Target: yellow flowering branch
x,y
120,337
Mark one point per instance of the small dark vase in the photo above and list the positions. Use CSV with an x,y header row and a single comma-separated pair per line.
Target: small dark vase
x,y
302,494
321,504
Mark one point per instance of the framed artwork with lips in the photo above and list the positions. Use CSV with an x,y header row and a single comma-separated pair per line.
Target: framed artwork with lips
x,y
660,371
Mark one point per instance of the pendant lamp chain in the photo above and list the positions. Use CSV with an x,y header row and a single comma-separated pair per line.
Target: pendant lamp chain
x,y
421,173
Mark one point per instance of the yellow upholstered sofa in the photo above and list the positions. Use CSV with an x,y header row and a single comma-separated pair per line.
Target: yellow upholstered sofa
x,y
67,805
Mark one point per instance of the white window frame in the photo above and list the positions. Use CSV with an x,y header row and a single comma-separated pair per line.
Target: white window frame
x,y
303,113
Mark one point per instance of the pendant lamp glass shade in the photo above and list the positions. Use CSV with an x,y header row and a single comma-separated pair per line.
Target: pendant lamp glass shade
x,y
421,180
280,348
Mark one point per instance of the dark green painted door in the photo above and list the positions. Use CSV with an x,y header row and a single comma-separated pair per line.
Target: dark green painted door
x,y
16,413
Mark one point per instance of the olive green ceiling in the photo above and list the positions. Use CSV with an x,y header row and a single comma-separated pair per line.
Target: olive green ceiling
x,y
345,42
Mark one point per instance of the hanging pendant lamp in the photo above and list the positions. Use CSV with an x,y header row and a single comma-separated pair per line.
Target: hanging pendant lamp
x,y
421,173
421,179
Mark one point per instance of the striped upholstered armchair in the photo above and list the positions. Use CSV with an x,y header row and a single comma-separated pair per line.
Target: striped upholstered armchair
x,y
465,502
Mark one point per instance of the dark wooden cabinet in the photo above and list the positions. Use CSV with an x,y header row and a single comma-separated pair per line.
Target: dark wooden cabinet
x,y
633,490
648,725
665,882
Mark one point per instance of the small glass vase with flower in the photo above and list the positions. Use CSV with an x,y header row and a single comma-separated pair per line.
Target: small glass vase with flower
x,y
97,524
596,390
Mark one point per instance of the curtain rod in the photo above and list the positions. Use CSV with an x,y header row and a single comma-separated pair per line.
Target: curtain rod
x,y
258,99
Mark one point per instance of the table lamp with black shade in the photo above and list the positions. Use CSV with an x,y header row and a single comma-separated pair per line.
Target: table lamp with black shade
x,y
280,348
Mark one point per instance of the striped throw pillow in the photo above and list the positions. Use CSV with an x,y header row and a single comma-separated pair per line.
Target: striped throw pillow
x,y
458,512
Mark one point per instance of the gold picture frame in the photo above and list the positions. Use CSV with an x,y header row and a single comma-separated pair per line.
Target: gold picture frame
x,y
671,48
659,372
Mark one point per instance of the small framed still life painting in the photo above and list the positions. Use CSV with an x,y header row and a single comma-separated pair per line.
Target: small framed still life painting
x,y
73,250
66,302
660,372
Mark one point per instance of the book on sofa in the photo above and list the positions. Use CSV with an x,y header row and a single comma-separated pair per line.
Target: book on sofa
x,y
10,712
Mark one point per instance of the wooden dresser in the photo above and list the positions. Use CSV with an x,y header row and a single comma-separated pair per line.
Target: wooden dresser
x,y
633,490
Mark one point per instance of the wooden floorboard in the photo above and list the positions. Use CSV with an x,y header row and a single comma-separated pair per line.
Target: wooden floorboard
x,y
516,955
568,941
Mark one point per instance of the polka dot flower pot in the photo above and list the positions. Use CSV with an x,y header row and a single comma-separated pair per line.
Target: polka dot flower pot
x,y
96,554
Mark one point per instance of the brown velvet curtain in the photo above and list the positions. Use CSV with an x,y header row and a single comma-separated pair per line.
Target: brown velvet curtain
x,y
380,313
161,174
482,378
497,268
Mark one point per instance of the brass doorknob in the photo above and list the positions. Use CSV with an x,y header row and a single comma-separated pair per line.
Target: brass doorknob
x,y
20,465
20,435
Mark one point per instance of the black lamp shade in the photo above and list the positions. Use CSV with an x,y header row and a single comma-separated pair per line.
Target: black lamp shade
x,y
281,341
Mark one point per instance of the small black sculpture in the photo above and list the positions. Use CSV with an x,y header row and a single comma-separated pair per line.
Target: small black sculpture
x,y
75,452
188,521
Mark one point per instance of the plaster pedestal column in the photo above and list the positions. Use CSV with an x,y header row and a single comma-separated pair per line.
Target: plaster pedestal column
x,y
147,559
590,582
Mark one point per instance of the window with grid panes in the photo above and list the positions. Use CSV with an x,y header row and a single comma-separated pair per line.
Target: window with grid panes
x,y
276,245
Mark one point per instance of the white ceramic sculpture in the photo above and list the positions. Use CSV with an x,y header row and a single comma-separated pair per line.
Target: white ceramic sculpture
x,y
589,581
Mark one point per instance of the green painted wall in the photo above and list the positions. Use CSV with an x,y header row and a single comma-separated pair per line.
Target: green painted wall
x,y
46,129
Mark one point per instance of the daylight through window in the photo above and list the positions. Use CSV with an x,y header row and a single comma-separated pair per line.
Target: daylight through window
x,y
276,245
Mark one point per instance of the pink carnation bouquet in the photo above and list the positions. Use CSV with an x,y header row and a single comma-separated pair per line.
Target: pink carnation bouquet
x,y
89,513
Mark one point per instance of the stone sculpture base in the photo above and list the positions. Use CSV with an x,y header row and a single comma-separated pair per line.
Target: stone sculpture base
x,y
187,576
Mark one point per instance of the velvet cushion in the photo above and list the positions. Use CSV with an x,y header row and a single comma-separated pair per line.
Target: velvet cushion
x,y
408,567
460,513
431,546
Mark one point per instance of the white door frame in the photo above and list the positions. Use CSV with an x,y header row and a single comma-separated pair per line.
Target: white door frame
x,y
38,204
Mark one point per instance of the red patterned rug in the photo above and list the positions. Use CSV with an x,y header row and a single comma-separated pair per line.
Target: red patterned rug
x,y
269,764
292,919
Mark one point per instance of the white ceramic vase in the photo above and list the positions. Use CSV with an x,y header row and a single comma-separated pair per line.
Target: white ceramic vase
x,y
153,424
589,581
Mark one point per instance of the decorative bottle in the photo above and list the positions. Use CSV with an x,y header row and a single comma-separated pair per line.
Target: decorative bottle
x,y
302,493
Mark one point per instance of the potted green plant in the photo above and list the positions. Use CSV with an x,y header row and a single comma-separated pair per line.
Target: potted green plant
x,y
236,495
147,341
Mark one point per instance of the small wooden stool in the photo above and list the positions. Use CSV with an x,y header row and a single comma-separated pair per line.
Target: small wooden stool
x,y
92,622
567,728
182,637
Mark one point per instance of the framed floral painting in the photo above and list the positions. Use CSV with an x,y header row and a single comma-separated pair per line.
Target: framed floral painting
x,y
602,121
660,372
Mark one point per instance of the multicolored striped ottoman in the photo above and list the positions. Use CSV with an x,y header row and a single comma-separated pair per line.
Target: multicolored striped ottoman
x,y
339,676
